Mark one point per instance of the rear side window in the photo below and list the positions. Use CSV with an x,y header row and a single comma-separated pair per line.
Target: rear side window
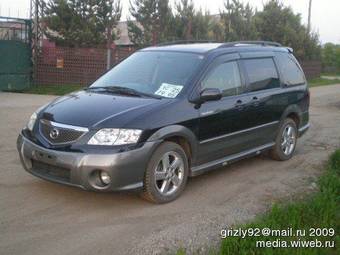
x,y
291,71
262,73
225,77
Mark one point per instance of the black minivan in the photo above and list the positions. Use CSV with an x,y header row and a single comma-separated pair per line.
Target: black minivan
x,y
169,112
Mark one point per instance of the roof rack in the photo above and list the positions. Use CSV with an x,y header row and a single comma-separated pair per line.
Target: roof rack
x,y
245,43
184,42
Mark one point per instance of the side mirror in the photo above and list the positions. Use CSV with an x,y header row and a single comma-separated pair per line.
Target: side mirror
x,y
210,95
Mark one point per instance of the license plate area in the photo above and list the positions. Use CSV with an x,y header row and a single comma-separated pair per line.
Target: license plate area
x,y
44,157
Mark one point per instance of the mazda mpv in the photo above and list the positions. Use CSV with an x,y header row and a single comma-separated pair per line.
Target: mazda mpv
x,y
167,113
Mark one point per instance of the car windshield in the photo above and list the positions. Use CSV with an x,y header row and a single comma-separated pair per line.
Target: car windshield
x,y
157,73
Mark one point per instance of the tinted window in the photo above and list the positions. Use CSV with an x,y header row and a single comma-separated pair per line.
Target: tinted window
x,y
262,73
291,71
225,77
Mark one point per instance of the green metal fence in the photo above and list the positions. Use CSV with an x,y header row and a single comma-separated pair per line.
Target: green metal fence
x,y
15,54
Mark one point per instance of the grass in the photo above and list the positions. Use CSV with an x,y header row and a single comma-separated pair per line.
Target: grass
x,y
322,82
52,89
331,74
319,210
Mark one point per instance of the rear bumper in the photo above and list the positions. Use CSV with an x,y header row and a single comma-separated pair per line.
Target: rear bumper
x,y
126,169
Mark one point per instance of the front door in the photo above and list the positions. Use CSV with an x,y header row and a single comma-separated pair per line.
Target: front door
x,y
222,121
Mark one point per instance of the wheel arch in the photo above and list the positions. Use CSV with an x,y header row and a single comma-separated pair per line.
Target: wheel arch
x,y
294,112
180,135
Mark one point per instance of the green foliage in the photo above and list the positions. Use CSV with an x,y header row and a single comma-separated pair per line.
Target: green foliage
x,y
184,18
238,21
82,22
155,22
91,22
322,82
322,210
191,23
331,57
279,23
152,19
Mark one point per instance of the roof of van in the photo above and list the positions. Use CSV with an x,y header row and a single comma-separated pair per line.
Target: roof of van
x,y
208,47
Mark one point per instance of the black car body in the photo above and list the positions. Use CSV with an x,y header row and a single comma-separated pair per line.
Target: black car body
x,y
233,104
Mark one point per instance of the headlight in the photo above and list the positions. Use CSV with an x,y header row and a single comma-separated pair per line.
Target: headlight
x,y
31,121
114,136
33,118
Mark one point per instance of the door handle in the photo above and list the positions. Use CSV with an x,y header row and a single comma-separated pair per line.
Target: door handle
x,y
255,101
239,105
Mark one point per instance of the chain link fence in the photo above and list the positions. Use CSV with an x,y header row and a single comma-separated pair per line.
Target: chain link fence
x,y
79,66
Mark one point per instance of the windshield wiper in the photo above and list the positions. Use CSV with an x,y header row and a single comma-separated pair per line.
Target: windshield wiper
x,y
126,91
116,90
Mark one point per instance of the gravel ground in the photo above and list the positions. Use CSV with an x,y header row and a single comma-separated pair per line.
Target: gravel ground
x,y
38,217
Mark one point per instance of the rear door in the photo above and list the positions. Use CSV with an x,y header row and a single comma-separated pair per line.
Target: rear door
x,y
265,96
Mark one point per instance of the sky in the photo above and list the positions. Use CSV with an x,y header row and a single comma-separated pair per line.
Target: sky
x,y
325,13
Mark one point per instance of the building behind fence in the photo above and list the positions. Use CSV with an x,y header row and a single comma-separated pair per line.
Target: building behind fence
x,y
82,66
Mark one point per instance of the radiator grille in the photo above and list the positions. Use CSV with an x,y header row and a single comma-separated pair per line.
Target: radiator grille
x,y
56,134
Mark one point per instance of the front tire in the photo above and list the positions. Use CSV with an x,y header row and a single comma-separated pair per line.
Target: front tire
x,y
285,142
166,174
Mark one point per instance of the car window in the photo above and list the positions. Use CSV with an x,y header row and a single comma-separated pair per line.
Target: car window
x,y
225,77
262,73
291,71
160,73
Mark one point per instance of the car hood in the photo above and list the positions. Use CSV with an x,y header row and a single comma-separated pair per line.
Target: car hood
x,y
96,110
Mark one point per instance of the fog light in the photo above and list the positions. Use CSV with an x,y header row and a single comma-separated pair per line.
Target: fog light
x,y
104,177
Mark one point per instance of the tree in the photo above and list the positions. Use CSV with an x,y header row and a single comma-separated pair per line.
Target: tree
x,y
191,23
107,16
238,21
152,21
217,29
184,19
201,25
82,22
279,23
331,57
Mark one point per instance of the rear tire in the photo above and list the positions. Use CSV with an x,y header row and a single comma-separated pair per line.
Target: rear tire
x,y
166,174
285,142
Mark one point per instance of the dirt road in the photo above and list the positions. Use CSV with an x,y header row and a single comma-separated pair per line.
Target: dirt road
x,y
38,217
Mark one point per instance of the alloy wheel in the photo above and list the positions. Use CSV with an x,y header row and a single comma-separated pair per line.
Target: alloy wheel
x,y
169,173
288,140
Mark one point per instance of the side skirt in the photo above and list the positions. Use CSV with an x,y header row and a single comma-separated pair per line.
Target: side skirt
x,y
197,170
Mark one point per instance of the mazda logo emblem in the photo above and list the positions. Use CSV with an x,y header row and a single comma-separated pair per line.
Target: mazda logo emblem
x,y
54,133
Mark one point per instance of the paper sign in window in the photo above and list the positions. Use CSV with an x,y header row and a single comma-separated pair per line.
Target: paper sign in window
x,y
169,90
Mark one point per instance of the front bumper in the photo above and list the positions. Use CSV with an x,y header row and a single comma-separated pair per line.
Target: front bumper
x,y
126,169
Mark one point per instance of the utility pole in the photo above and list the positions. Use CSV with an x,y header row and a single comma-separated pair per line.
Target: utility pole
x,y
109,43
37,33
309,16
229,16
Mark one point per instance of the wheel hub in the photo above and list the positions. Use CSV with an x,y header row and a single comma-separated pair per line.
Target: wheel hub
x,y
169,173
288,139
